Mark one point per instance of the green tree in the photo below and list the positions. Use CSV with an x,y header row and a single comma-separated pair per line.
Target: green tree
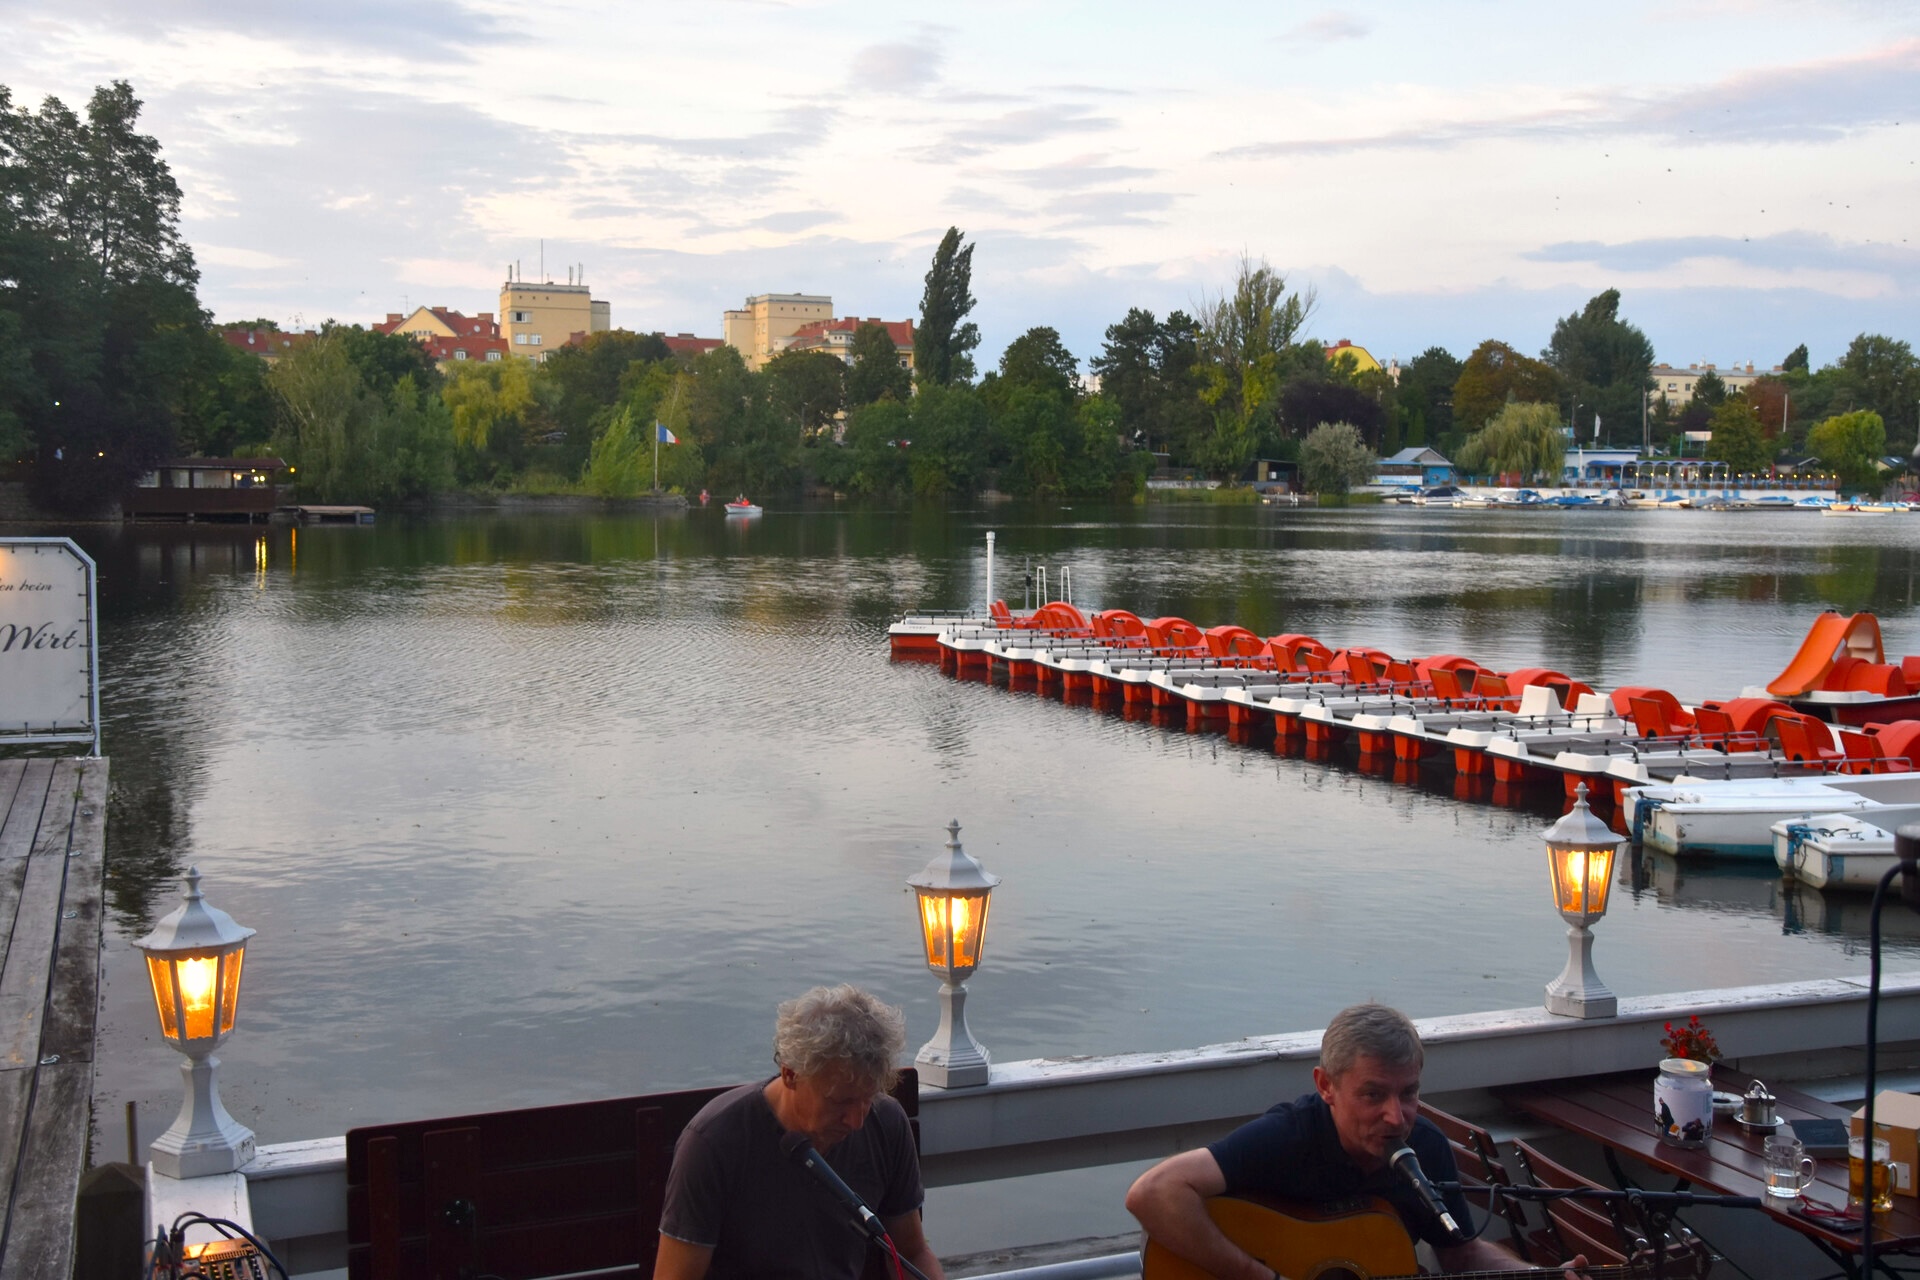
x,y
879,448
811,386
876,372
1709,391
1493,375
1883,376
1334,458
1522,439
103,337
492,406
1151,374
1850,445
1426,396
949,441
1039,360
1796,361
621,462
1602,361
347,441
944,341
586,379
1249,342
1738,438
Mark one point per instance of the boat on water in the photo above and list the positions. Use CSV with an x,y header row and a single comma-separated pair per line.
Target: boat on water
x,y
741,507
1841,674
1840,850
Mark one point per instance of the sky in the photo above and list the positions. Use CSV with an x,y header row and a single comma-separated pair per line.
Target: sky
x,y
1746,173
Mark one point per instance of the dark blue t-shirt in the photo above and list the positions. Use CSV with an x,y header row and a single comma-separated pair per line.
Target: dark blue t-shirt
x,y
1293,1151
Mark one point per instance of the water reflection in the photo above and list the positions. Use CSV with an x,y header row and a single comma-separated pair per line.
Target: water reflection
x,y
504,791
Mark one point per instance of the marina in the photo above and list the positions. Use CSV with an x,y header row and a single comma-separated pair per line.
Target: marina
x,y
533,693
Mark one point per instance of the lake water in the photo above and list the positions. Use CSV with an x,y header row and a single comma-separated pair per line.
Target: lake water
x,y
545,808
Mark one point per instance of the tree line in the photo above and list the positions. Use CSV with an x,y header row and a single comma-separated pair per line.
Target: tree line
x,y
109,364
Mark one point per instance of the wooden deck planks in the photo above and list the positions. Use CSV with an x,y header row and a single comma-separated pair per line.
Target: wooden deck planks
x,y
52,853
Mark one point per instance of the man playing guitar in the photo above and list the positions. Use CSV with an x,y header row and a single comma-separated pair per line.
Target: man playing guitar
x,y
1332,1145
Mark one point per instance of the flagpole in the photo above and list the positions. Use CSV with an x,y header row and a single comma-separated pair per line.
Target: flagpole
x,y
656,457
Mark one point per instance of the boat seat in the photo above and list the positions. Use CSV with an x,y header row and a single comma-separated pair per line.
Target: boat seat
x,y
1591,704
1673,715
1866,753
1799,740
1539,700
1910,671
1898,741
1714,727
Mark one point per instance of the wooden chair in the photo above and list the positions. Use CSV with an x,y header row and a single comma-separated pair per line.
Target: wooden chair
x,y
1478,1160
548,1191
1572,1226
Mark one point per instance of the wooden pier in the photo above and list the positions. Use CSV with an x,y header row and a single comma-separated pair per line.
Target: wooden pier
x,y
52,851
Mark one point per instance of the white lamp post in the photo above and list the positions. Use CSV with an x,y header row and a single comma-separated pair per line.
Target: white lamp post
x,y
193,963
952,891
1580,853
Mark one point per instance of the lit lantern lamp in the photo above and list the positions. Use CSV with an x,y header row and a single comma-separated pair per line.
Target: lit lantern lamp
x,y
193,963
952,891
1580,853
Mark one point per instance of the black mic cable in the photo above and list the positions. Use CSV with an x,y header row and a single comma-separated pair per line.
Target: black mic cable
x,y
1407,1165
799,1147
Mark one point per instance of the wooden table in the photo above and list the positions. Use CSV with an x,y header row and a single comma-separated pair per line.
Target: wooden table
x,y
1616,1111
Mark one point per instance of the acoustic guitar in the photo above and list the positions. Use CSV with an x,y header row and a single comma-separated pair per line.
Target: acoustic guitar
x,y
1356,1240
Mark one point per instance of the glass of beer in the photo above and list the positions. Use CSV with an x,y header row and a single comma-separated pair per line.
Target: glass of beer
x,y
1882,1174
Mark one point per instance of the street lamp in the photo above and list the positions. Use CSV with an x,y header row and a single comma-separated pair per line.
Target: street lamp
x,y
952,891
1580,853
193,963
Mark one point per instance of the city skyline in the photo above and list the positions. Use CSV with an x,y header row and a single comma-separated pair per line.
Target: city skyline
x,y
1742,172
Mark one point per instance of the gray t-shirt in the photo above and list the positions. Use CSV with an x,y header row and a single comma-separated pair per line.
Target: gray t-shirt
x,y
734,1191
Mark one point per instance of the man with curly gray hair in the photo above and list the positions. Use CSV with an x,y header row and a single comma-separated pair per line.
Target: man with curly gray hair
x,y
737,1206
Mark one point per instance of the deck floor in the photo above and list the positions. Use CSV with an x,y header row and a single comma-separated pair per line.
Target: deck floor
x,y
52,853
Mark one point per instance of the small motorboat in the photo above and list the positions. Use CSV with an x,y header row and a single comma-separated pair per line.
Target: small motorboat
x,y
741,507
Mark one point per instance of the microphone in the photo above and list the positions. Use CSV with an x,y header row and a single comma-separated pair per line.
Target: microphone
x,y
1407,1165
799,1147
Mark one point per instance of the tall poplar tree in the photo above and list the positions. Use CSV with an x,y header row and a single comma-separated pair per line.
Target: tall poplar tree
x,y
944,341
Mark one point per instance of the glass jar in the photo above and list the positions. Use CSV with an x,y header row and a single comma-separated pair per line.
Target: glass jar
x,y
1683,1103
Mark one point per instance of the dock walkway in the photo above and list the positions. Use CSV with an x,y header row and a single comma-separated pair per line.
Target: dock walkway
x,y
52,853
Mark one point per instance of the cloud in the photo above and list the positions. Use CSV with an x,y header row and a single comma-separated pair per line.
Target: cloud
x,y
431,30
1022,127
244,259
1788,249
798,128
895,68
1110,208
1326,28
1819,101
1077,173
795,220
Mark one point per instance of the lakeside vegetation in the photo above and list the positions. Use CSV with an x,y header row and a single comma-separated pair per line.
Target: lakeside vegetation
x,y
109,364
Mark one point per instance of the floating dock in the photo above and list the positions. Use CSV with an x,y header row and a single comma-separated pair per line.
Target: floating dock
x,y
1499,732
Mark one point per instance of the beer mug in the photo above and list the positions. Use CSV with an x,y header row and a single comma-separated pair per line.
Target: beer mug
x,y
1789,1169
1857,1174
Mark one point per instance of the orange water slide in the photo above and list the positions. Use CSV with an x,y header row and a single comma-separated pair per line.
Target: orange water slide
x,y
1831,638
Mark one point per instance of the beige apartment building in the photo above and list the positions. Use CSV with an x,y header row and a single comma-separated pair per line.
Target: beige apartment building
x,y
766,325
537,319
1676,384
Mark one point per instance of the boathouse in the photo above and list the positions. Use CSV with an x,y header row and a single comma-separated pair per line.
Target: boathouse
x,y
231,489
1415,467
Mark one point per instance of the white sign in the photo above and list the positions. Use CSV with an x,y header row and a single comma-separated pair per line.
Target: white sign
x,y
49,688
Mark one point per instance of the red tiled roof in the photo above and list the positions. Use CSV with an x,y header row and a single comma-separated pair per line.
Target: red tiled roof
x,y
901,331
475,347
685,344
265,342
479,325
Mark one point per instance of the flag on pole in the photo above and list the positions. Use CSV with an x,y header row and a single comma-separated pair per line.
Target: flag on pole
x,y
663,436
